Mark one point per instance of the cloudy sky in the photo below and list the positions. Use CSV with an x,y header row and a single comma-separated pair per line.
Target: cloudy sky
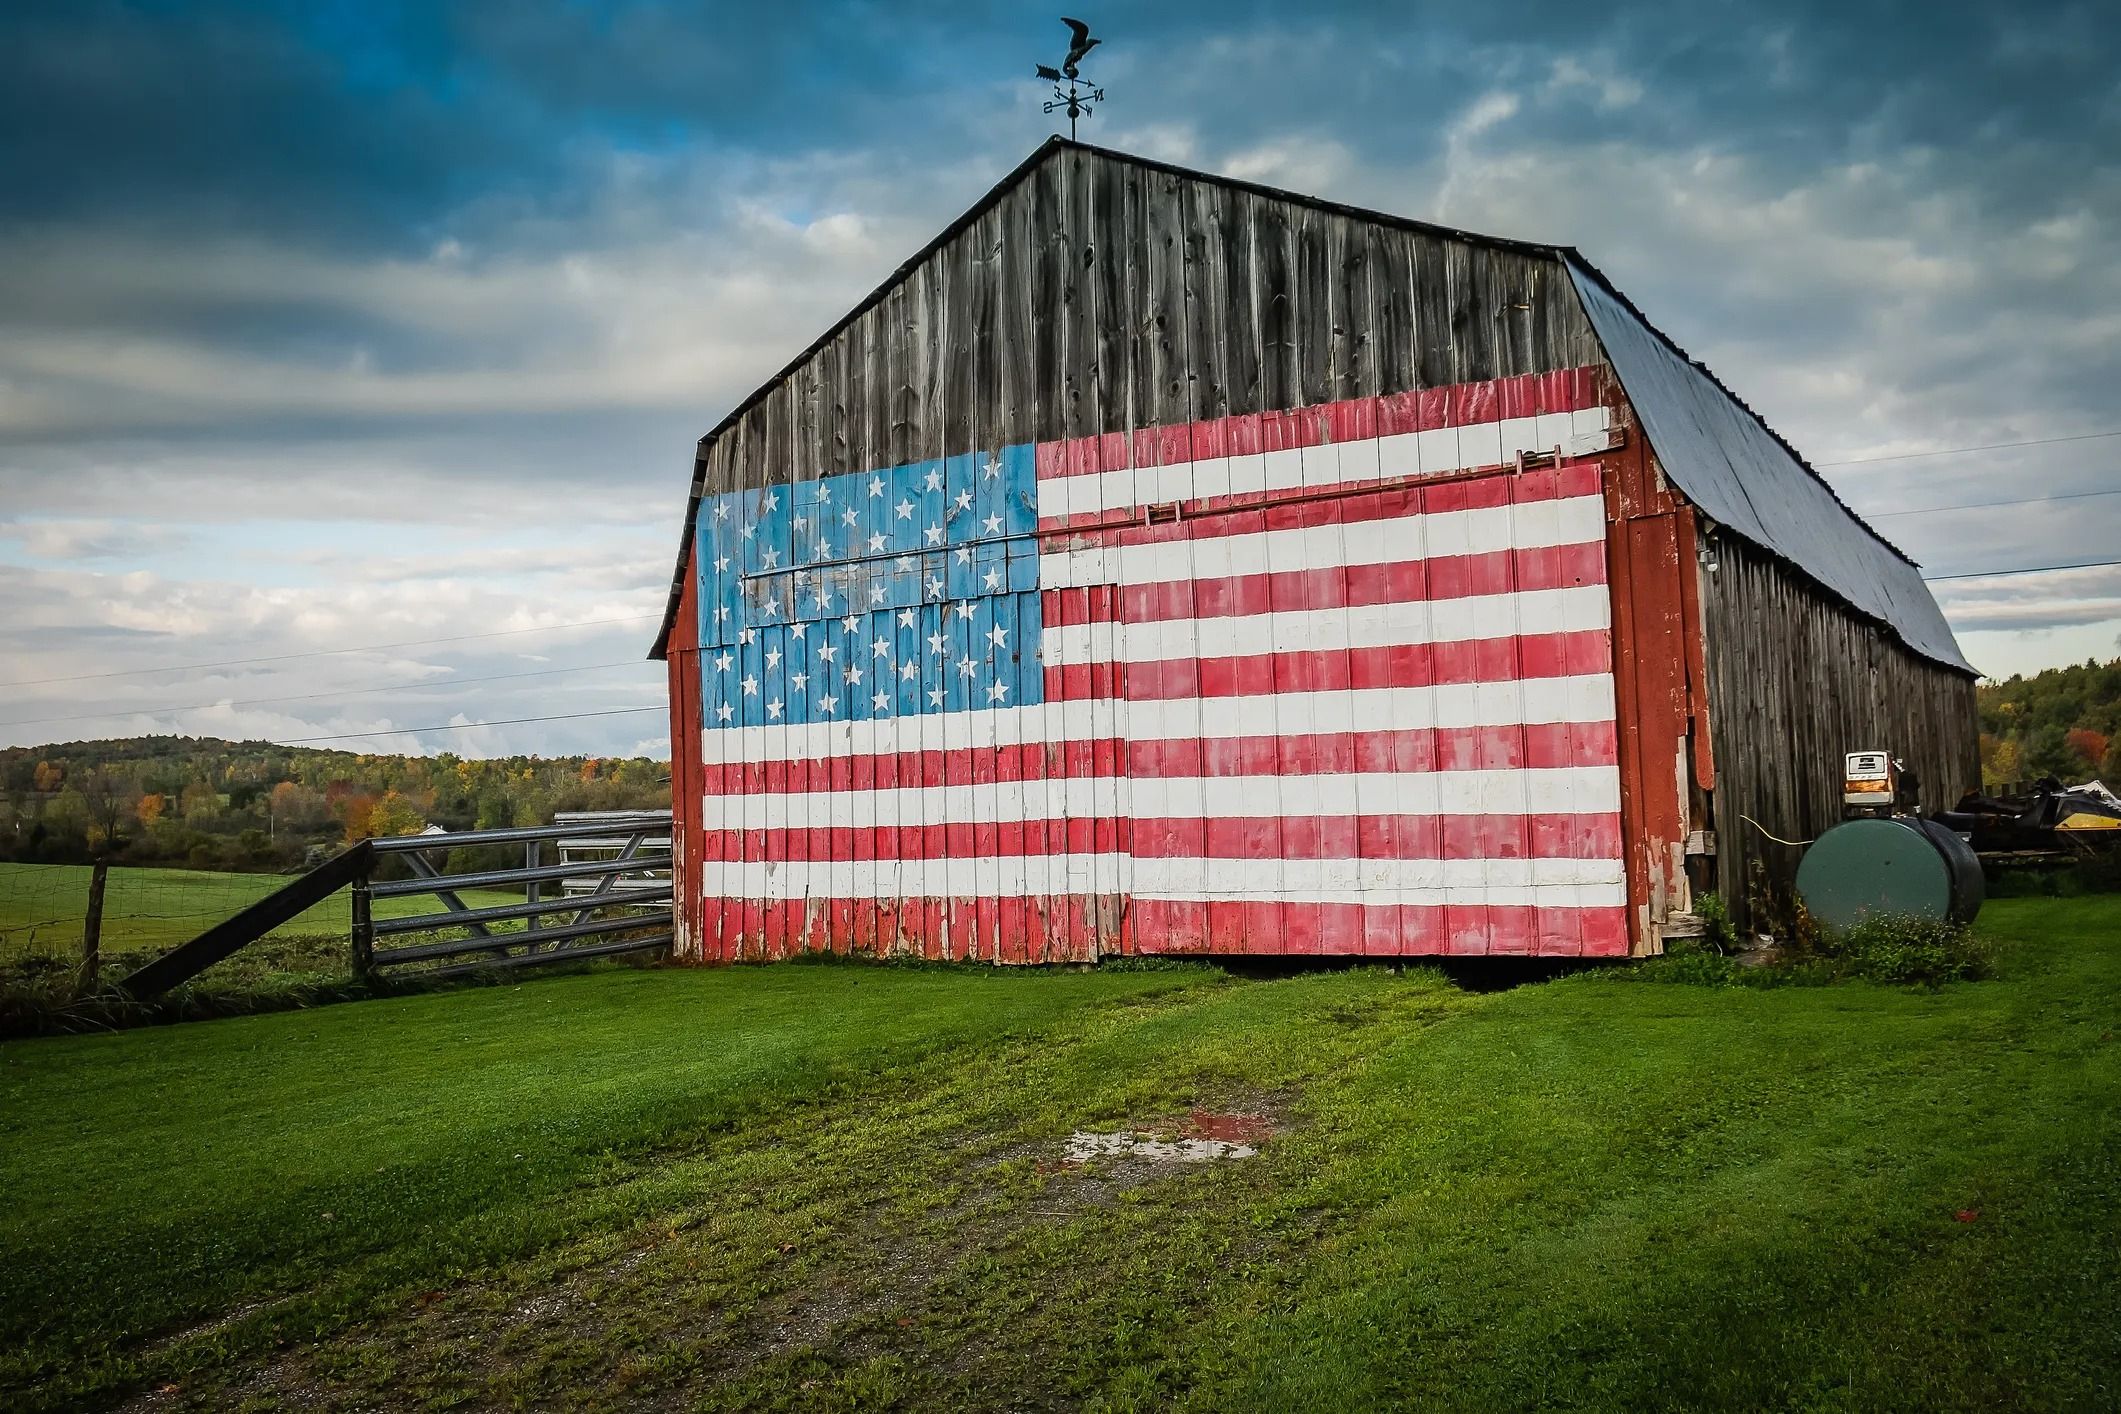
x,y
338,323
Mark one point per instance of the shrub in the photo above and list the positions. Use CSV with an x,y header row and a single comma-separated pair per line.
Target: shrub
x,y
1903,950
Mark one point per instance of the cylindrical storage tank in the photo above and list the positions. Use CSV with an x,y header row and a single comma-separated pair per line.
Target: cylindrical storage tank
x,y
1904,867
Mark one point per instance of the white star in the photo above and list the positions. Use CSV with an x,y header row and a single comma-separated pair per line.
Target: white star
x,y
773,708
751,685
881,701
849,516
876,486
773,657
721,564
905,618
964,609
935,587
799,681
903,564
998,636
824,492
824,601
876,544
964,554
935,643
963,500
935,695
802,522
749,531
824,549
992,579
910,671
904,509
852,674
876,593
721,512
993,468
747,635
935,535
993,525
770,559
880,647
826,706
771,609
798,630
997,690
934,481
722,660
850,623
724,712
827,651
965,666
772,501
722,613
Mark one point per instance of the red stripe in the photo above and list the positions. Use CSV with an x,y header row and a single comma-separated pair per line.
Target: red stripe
x,y
1351,837
1348,586
1040,928
1357,419
893,770
1368,502
1540,745
1512,658
1378,930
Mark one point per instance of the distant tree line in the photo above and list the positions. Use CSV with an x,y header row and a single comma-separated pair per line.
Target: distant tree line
x,y
2064,722
212,804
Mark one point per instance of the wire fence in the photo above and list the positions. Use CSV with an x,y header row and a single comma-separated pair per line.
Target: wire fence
x,y
146,911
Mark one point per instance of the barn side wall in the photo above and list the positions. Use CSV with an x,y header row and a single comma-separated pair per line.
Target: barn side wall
x,y
682,657
1796,682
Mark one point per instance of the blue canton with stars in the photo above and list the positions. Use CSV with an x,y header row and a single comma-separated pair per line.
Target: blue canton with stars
x,y
880,594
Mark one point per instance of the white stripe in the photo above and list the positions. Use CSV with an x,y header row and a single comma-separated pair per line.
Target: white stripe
x,y
1584,698
1431,453
1416,882
1560,790
1574,520
1571,610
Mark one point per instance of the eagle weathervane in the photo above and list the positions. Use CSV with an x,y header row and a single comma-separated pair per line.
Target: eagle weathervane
x,y
1076,98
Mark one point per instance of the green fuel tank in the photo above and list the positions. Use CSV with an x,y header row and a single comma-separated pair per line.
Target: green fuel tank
x,y
1903,866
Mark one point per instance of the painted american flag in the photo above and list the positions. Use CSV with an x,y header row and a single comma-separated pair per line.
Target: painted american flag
x,y
1337,680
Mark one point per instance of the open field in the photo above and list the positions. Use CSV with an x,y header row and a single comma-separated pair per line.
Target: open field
x,y
839,1186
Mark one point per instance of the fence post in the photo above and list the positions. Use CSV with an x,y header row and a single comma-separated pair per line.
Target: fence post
x,y
533,852
364,923
92,929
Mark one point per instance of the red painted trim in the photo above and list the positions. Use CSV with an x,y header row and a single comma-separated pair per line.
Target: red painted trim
x,y
1375,930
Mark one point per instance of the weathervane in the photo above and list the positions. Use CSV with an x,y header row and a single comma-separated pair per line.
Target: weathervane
x,y
1074,98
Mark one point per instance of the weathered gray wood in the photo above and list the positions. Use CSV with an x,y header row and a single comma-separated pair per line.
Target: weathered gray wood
x,y
1779,736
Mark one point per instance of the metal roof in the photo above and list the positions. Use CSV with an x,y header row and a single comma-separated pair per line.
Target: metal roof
x,y
1738,471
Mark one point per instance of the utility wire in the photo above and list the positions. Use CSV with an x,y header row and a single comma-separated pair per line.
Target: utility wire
x,y
467,726
313,696
329,652
1990,505
1986,447
2029,569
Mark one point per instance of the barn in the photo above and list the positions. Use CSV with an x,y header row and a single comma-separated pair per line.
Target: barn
x,y
1158,563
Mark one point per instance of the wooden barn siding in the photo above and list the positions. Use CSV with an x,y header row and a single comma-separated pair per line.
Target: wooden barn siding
x,y
1796,682
682,655
1103,297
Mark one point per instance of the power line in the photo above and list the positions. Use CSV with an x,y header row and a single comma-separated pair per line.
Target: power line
x,y
1990,505
467,726
1986,447
329,652
422,685
2029,569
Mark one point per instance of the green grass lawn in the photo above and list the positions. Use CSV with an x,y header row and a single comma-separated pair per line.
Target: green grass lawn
x,y
842,1186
